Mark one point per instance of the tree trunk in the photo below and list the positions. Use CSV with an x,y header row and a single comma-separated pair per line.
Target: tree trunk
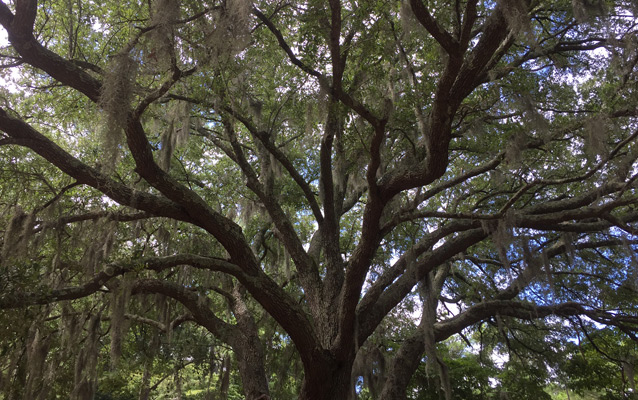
x,y
250,362
178,384
145,387
327,380
403,367
249,351
224,379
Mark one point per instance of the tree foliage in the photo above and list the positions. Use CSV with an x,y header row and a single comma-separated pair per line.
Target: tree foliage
x,y
318,199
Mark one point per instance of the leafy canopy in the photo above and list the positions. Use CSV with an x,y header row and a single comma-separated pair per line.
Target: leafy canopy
x,y
318,199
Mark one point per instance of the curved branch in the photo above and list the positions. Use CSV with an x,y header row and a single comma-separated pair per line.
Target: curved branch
x,y
93,216
407,261
56,197
283,160
282,43
309,273
526,311
20,31
157,324
83,174
447,41
47,295
199,309
162,90
397,291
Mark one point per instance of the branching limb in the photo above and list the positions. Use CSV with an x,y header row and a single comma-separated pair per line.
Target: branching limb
x,y
199,309
161,91
282,43
527,311
407,262
447,41
283,160
160,325
157,264
20,30
397,291
27,136
56,197
337,91
308,270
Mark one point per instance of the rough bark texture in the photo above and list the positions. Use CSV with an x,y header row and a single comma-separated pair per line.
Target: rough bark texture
x,y
402,368
334,311
327,379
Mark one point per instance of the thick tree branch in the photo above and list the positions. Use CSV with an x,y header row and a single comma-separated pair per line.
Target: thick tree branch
x,y
20,31
457,81
397,291
424,17
491,46
194,303
338,64
526,311
308,271
407,261
84,174
47,295
330,229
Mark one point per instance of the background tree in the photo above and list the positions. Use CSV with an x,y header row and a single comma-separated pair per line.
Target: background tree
x,y
302,198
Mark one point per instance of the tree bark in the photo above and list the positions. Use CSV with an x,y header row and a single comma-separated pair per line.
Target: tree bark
x,y
242,337
145,387
327,380
224,379
248,349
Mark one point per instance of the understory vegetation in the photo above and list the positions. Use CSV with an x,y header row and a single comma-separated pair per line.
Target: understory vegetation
x,y
318,199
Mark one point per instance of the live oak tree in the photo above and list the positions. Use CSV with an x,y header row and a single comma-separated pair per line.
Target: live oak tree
x,y
308,196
